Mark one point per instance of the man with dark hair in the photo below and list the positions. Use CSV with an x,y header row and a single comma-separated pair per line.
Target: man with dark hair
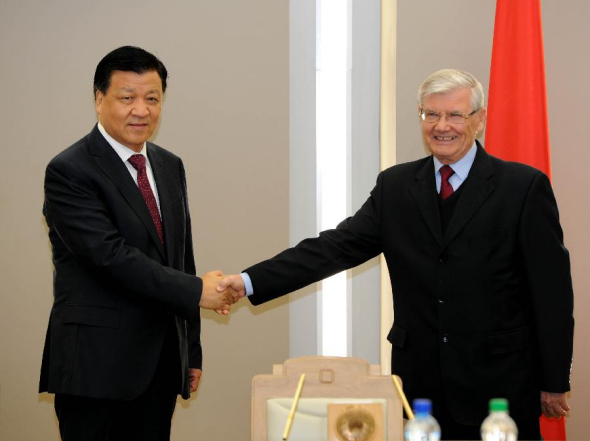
x,y
127,59
124,333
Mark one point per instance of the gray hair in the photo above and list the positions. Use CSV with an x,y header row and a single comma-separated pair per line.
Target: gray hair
x,y
447,80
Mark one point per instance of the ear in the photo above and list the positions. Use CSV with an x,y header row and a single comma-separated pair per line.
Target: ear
x,y
481,115
481,122
98,98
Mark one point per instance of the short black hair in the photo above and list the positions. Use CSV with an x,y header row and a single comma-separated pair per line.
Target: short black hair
x,y
127,59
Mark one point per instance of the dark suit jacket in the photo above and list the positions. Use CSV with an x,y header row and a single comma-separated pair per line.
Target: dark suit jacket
x,y
484,310
116,288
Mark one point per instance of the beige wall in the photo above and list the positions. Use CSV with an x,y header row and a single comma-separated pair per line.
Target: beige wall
x,y
458,33
568,70
225,114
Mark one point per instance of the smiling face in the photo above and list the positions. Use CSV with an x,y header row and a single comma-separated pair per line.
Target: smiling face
x,y
130,109
450,142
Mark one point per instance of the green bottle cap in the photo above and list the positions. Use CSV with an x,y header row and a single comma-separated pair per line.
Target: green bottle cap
x,y
498,405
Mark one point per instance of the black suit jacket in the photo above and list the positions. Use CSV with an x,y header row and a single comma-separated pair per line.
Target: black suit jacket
x,y
484,310
116,288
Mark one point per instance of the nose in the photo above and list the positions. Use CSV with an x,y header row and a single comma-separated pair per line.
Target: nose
x,y
140,109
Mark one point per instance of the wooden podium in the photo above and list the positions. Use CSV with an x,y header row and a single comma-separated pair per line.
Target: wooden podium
x,y
332,379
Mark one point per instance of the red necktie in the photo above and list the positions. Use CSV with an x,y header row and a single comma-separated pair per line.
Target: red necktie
x,y
138,162
445,188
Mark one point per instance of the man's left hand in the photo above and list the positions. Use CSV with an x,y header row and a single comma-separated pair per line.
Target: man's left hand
x,y
554,405
195,377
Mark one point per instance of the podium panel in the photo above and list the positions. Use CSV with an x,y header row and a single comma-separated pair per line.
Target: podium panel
x,y
311,419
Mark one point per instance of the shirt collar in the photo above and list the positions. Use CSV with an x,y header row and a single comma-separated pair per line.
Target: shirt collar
x,y
124,152
462,166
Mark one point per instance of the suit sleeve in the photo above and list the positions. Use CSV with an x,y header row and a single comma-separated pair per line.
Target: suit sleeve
x,y
547,265
76,211
354,241
195,351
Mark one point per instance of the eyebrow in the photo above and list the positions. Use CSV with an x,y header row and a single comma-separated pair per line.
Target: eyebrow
x,y
132,89
448,113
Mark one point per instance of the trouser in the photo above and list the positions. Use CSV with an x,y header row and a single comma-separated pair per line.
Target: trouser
x,y
528,428
146,418
432,388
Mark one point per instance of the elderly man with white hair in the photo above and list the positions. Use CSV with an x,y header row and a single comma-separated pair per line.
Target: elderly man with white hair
x,y
483,298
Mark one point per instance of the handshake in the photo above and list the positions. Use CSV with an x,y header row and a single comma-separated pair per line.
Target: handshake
x,y
220,292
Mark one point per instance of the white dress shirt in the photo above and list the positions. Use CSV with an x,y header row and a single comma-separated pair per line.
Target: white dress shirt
x,y
125,153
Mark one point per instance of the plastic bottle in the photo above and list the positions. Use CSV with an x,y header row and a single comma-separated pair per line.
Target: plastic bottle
x,y
423,427
498,426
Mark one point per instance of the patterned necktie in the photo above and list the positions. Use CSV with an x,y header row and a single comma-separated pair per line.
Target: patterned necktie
x,y
138,162
445,188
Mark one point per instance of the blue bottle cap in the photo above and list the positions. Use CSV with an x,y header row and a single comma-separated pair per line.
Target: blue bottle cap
x,y
422,406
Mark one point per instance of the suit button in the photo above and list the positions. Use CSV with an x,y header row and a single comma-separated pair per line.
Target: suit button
x,y
442,300
441,260
445,338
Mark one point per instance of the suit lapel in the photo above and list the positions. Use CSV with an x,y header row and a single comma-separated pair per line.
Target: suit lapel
x,y
476,189
424,194
110,163
163,182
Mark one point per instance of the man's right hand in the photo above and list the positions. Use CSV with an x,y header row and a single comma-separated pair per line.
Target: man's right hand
x,y
212,298
235,285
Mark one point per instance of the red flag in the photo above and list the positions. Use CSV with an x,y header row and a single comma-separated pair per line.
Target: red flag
x,y
517,123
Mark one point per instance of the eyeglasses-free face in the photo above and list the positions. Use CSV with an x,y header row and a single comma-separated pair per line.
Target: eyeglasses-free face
x,y
130,109
449,141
